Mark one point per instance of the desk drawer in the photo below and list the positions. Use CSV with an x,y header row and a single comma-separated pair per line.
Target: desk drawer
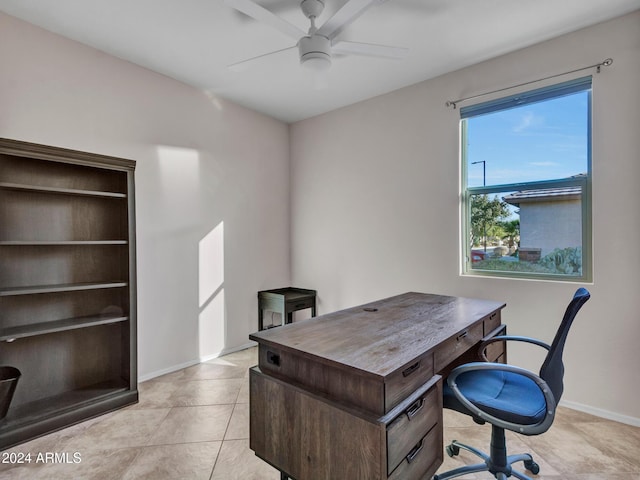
x,y
412,425
300,304
423,459
406,380
495,352
451,349
492,322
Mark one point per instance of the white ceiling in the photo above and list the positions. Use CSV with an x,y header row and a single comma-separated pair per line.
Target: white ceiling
x,y
194,40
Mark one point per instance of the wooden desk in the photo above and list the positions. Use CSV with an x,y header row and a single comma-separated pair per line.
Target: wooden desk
x,y
357,394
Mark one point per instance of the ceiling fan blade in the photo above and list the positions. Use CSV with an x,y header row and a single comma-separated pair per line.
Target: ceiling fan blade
x,y
370,50
243,64
343,17
258,12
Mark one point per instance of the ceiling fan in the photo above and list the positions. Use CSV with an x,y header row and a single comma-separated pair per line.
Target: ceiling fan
x,y
318,45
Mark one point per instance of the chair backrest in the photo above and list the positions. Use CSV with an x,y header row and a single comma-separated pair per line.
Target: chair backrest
x,y
552,369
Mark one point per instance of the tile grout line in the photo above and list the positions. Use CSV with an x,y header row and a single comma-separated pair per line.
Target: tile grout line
x,y
213,469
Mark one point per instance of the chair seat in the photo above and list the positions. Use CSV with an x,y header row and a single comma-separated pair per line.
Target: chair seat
x,y
506,395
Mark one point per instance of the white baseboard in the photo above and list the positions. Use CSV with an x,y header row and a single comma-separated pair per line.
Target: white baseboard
x,y
227,351
599,412
191,363
164,371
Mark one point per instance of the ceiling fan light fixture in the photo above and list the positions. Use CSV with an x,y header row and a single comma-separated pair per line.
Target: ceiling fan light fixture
x,y
317,69
317,62
315,52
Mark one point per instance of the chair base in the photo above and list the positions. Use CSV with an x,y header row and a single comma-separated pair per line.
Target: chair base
x,y
498,464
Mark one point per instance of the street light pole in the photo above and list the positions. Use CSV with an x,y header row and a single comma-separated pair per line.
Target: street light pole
x,y
484,184
484,171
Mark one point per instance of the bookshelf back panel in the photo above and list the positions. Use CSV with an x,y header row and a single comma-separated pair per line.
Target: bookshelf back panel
x,y
35,216
43,173
59,362
21,310
24,266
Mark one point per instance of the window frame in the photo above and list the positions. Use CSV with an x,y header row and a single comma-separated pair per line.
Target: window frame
x,y
583,84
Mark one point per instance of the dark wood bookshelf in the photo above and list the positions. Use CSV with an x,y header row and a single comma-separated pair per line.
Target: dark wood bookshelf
x,y
67,287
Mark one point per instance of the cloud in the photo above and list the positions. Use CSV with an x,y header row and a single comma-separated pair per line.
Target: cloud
x,y
527,120
544,164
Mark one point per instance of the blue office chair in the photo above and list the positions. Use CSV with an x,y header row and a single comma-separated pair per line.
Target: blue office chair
x,y
509,397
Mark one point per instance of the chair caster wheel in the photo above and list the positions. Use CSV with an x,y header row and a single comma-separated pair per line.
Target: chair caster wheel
x,y
532,466
453,450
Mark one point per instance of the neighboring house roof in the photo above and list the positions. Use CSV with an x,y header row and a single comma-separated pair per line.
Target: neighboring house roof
x,y
558,194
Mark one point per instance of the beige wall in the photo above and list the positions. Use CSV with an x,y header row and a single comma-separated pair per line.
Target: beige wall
x,y
375,209
212,184
551,225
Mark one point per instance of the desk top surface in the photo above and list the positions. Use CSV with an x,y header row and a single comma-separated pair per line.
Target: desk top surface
x,y
380,336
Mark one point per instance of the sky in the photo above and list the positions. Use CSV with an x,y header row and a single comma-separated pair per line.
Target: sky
x,y
539,141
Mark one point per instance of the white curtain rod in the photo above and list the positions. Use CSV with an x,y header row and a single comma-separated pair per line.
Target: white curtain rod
x,y
604,63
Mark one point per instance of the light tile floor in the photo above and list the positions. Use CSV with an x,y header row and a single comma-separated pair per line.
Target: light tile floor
x,y
194,424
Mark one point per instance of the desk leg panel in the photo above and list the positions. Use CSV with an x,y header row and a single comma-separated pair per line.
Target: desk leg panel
x,y
311,438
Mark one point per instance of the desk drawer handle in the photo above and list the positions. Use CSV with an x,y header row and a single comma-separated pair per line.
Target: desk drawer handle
x,y
415,451
409,370
415,408
300,305
273,358
462,335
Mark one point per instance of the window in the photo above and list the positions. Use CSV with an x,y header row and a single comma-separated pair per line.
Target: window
x,y
526,184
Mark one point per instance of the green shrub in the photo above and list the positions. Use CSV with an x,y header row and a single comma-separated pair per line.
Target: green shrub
x,y
562,261
566,261
502,266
